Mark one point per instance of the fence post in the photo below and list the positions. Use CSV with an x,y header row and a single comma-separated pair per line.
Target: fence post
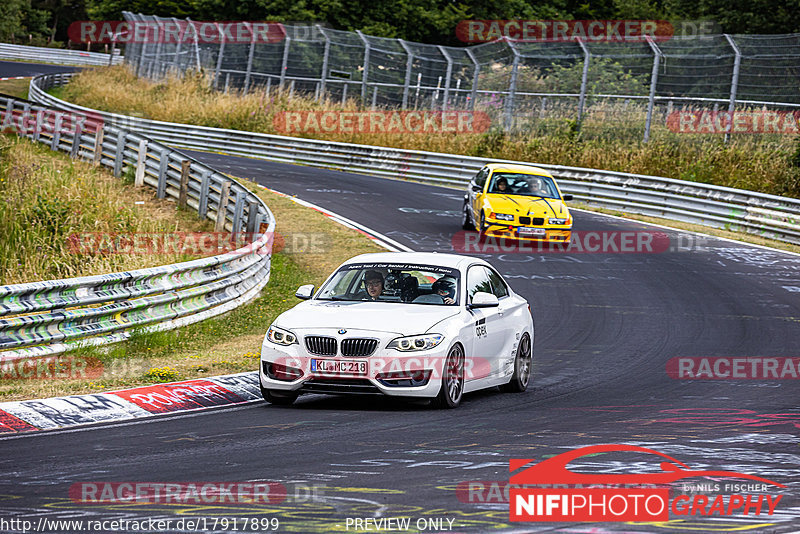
x,y
142,48
653,81
141,164
447,76
161,190
287,41
196,43
219,57
365,75
249,57
512,86
737,62
222,207
205,182
476,72
584,78
159,42
119,155
177,46
98,145
183,193
325,57
409,66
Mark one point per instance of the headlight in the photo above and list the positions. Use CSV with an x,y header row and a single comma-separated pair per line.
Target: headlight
x,y
280,336
503,217
557,221
414,343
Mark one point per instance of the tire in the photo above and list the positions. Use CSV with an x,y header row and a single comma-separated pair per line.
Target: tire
x,y
279,398
466,219
522,367
452,380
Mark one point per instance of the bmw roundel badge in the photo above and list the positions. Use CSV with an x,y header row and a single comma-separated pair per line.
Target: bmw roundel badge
x,y
342,331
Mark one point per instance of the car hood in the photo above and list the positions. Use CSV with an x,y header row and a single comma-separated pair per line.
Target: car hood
x,y
527,206
401,319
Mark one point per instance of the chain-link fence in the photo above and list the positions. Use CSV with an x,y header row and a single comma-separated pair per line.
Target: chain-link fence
x,y
615,89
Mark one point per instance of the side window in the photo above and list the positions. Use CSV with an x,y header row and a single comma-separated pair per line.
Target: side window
x,y
500,289
478,280
480,178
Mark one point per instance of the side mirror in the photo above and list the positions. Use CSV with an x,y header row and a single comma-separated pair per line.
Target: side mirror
x,y
567,197
484,300
476,188
305,292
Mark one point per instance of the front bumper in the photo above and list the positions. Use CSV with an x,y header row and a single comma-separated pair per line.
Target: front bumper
x,y
387,372
552,234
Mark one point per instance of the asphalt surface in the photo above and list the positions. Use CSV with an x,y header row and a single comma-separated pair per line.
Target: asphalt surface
x,y
606,326
9,69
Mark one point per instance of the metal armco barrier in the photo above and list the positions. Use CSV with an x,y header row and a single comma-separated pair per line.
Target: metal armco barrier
x,y
770,216
54,316
58,56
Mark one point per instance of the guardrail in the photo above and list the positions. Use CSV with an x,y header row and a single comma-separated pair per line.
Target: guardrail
x,y
770,216
54,316
58,56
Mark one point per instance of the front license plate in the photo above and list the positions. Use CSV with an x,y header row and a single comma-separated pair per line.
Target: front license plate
x,y
345,367
531,231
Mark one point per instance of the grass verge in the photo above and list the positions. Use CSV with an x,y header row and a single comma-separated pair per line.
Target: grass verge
x,y
17,88
50,200
749,162
312,247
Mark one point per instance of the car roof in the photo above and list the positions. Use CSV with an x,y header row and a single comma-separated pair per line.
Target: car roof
x,y
455,261
520,168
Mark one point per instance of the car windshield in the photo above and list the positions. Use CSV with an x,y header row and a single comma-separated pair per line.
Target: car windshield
x,y
529,185
394,282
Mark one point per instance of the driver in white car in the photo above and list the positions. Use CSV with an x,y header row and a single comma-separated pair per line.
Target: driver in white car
x,y
445,287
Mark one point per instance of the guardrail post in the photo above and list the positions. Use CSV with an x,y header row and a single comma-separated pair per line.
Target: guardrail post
x,y
205,182
222,207
163,166
219,56
238,212
98,145
409,67
76,141
249,57
475,73
37,129
325,58
737,62
653,81
183,193
141,163
56,131
252,219
365,74
287,41
584,79
8,115
119,154
508,107
25,120
447,76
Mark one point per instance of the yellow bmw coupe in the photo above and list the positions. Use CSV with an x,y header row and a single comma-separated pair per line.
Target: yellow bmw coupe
x,y
517,202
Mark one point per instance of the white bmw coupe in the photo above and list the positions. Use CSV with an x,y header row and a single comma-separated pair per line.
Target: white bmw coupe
x,y
405,324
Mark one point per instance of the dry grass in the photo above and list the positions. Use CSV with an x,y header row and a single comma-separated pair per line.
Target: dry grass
x,y
767,165
226,344
17,88
50,198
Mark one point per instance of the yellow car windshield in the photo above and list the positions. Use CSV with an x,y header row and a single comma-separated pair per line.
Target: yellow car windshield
x,y
529,185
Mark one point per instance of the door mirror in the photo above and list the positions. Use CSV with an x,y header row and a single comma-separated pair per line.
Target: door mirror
x,y
484,300
305,292
476,188
567,197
